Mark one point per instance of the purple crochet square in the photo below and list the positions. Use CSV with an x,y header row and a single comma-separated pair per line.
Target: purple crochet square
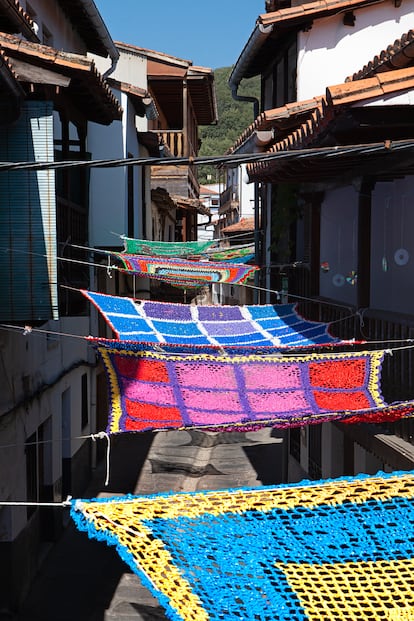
x,y
215,313
179,312
225,328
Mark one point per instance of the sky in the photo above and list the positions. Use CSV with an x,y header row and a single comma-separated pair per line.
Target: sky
x,y
210,33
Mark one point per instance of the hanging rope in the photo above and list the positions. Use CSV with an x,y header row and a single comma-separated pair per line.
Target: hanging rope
x,y
25,503
99,436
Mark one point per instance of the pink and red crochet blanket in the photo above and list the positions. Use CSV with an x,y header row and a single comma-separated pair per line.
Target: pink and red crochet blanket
x,y
152,390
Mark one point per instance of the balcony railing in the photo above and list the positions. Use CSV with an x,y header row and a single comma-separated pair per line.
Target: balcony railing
x,y
379,328
228,200
176,144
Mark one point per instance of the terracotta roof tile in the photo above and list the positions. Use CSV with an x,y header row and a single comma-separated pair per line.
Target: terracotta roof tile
x,y
337,96
191,204
280,119
304,11
244,224
87,87
351,92
400,54
14,19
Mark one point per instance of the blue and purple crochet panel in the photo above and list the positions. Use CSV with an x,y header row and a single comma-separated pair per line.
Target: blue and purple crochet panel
x,y
251,325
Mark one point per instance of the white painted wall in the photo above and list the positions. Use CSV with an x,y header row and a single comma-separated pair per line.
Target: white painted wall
x,y
246,193
48,364
132,68
108,186
329,52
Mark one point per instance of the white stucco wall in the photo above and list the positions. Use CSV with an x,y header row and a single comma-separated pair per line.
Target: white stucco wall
x,y
246,193
339,244
330,51
108,186
132,68
46,364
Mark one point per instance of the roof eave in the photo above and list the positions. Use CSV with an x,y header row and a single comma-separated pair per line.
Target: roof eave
x,y
256,40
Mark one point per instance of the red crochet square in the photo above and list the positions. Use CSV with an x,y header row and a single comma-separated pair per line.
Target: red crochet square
x,y
139,369
338,401
141,416
337,374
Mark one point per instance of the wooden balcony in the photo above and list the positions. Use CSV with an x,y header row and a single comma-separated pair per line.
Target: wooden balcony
x,y
176,179
228,200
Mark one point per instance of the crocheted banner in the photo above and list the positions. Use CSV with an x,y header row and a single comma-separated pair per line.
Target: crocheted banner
x,y
243,254
151,390
341,550
159,322
166,249
184,273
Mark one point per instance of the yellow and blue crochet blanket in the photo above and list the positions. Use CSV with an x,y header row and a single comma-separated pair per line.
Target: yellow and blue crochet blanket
x,y
265,325
340,550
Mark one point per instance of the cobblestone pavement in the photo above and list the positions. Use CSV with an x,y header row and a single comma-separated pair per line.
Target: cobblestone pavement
x,y
84,580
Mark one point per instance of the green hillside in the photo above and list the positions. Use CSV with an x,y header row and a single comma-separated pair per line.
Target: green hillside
x,y
234,117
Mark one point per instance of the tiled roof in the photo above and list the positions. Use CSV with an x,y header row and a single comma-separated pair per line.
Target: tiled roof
x,y
42,65
191,204
280,119
168,92
15,20
396,56
275,26
153,54
88,23
305,11
310,133
243,225
140,96
164,200
8,78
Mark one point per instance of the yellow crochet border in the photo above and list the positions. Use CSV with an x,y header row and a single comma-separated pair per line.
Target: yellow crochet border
x,y
125,519
372,384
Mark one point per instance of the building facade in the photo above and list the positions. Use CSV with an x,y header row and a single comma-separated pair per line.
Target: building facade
x,y
335,114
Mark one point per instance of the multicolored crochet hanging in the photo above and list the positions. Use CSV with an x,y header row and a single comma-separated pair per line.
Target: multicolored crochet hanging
x,y
186,274
340,550
165,249
151,390
160,322
241,254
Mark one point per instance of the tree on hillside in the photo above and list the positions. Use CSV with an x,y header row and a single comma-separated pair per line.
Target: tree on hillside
x,y
233,118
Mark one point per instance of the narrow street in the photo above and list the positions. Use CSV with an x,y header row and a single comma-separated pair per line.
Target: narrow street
x,y
84,580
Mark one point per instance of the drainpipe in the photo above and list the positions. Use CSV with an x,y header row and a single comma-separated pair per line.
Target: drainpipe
x,y
255,42
102,30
